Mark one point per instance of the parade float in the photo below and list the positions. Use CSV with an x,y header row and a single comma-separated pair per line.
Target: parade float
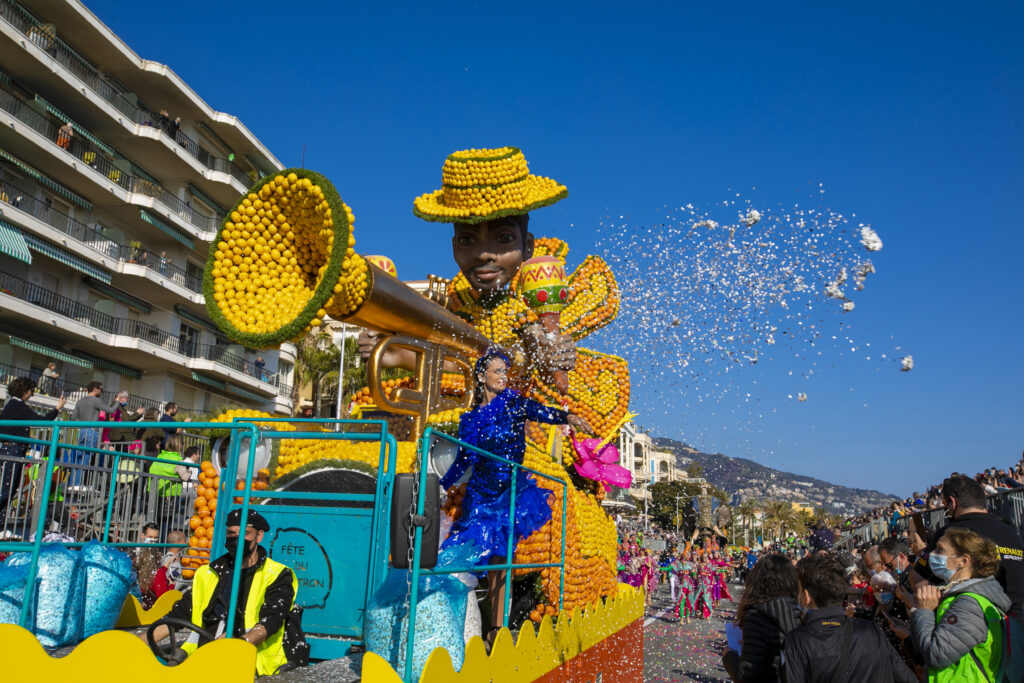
x,y
283,261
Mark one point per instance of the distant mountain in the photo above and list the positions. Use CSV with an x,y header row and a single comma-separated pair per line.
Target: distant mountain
x,y
744,478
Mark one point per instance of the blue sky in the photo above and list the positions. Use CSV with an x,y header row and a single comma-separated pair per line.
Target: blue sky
x,y
909,115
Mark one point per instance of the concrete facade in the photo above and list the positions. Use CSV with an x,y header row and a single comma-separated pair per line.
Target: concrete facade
x,y
108,207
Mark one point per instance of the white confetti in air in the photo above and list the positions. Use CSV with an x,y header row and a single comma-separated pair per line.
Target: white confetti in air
x,y
802,397
907,364
708,292
870,239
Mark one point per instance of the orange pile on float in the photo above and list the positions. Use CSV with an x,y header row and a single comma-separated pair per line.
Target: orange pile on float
x,y
201,522
452,384
452,505
587,578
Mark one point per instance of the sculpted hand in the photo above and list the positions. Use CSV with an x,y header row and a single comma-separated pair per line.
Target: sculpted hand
x,y
580,425
365,343
547,354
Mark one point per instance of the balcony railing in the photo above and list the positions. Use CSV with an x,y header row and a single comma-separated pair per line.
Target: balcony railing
x,y
61,305
117,170
128,105
96,240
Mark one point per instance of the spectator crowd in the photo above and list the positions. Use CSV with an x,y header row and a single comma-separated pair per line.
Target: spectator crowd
x,y
943,606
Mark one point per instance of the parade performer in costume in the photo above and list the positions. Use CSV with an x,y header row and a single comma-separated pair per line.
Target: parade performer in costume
x,y
687,586
497,424
487,195
722,570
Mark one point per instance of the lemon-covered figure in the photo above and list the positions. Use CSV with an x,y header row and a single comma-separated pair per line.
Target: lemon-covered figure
x,y
487,195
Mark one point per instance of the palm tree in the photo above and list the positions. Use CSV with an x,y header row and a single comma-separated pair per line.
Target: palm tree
x,y
317,363
746,513
780,518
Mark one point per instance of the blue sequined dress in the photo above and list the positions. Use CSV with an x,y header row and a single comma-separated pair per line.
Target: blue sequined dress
x,y
500,428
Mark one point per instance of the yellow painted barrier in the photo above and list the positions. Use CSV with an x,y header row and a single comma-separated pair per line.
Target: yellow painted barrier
x,y
120,657
133,614
534,655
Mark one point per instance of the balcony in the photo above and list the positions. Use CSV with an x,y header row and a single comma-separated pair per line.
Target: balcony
x,y
95,240
60,305
63,54
108,164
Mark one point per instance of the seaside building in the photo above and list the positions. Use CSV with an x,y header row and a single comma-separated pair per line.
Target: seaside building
x,y
114,177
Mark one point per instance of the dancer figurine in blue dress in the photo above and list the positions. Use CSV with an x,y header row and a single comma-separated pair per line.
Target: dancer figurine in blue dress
x,y
497,424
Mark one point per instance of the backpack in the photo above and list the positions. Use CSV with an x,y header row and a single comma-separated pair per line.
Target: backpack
x,y
1012,666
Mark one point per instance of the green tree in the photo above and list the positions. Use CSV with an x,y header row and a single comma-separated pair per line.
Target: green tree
x,y
780,518
662,507
694,470
355,377
317,364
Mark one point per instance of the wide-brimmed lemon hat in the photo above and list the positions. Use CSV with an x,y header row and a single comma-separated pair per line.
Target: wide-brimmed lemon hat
x,y
483,184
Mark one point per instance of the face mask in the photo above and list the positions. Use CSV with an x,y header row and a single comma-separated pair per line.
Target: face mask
x,y
149,540
231,545
937,563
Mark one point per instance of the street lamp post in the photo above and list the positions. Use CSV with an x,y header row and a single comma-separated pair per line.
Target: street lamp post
x,y
341,374
677,513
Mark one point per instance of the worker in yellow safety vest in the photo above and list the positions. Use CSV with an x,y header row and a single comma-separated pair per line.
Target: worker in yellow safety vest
x,y
266,594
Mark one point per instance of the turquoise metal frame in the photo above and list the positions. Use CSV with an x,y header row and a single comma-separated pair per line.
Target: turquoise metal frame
x,y
379,530
426,442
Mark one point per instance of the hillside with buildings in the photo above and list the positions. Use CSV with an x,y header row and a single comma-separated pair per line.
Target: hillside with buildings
x,y
744,478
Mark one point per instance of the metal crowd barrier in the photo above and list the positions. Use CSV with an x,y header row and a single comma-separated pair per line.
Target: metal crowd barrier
x,y
428,441
64,483
1006,504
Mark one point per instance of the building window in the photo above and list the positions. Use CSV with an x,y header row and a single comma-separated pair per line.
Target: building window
x,y
187,339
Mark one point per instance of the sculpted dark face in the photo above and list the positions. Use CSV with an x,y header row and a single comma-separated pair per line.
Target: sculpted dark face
x,y
490,253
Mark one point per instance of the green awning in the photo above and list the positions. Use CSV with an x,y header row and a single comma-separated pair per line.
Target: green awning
x,y
53,354
248,394
67,258
46,180
77,128
139,173
167,229
209,381
205,198
12,243
110,365
197,319
118,295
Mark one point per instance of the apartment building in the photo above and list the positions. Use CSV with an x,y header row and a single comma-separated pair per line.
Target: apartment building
x,y
114,176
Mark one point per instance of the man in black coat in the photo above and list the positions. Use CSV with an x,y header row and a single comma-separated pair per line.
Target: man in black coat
x,y
12,453
964,501
829,647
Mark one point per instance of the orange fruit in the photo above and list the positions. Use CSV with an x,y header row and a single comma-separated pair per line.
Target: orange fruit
x,y
187,573
194,522
201,502
208,522
212,505
200,532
